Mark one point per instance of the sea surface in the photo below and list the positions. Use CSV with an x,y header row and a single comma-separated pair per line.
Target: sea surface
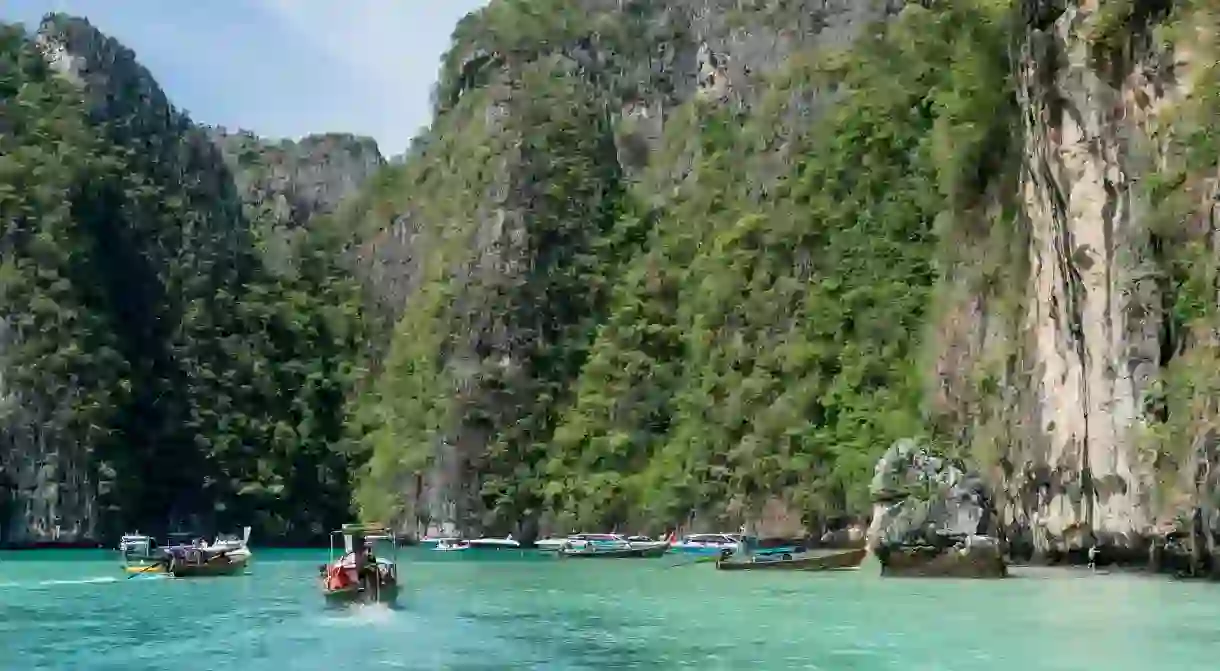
x,y
76,610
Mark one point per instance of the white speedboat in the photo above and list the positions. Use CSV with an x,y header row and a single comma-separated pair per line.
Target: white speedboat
x,y
646,543
610,546
506,543
706,544
433,541
550,544
236,549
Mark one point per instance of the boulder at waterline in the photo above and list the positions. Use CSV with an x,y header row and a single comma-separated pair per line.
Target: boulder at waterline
x,y
931,517
975,557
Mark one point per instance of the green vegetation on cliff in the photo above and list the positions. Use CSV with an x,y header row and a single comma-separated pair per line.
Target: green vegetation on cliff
x,y
625,278
156,371
597,349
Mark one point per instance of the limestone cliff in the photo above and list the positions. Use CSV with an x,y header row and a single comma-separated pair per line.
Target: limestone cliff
x,y
139,321
1096,357
753,293
473,390
699,263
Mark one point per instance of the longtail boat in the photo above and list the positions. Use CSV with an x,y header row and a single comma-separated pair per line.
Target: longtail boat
x,y
225,556
361,574
798,561
197,558
610,546
141,554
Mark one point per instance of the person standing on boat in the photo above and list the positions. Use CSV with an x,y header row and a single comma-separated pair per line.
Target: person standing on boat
x,y
368,573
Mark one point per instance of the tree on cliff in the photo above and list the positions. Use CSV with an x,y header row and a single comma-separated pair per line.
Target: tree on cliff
x,y
151,359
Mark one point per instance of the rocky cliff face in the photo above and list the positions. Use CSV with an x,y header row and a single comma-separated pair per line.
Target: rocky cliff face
x,y
1068,323
512,271
701,262
132,251
295,180
285,184
1090,417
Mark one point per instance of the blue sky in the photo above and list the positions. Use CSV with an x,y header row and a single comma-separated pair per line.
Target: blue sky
x,y
284,68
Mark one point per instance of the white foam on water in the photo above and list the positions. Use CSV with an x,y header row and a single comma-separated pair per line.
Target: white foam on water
x,y
148,576
100,580
361,615
81,581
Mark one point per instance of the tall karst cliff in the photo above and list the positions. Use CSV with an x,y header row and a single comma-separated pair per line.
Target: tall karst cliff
x,y
689,262
1085,377
160,366
703,261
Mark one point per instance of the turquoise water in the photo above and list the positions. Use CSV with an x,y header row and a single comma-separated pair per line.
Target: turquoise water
x,y
74,610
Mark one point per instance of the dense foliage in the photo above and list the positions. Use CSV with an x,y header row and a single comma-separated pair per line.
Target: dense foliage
x,y
150,353
687,341
620,280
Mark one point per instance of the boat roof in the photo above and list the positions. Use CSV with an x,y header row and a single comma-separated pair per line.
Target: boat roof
x,y
597,537
367,529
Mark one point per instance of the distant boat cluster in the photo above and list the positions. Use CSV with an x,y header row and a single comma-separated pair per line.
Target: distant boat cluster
x,y
729,550
365,569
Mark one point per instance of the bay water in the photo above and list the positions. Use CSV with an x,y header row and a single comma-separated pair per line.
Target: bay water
x,y
76,610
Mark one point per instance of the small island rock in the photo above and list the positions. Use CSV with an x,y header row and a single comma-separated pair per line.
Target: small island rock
x,y
931,517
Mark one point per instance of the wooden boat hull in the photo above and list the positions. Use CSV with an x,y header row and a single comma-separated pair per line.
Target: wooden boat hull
x,y
355,594
809,561
217,567
631,553
146,568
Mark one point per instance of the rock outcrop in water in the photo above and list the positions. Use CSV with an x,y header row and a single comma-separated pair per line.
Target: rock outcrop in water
x,y
931,518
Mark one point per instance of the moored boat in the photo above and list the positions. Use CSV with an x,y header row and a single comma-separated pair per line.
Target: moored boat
x,y
506,543
705,544
432,541
609,546
827,560
654,548
227,555
452,545
551,544
360,575
232,544
141,554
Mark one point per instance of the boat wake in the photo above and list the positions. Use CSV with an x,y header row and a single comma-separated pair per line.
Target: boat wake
x,y
58,583
363,615
80,581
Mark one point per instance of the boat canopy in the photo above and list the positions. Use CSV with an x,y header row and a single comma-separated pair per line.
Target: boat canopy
x,y
366,529
709,538
595,537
